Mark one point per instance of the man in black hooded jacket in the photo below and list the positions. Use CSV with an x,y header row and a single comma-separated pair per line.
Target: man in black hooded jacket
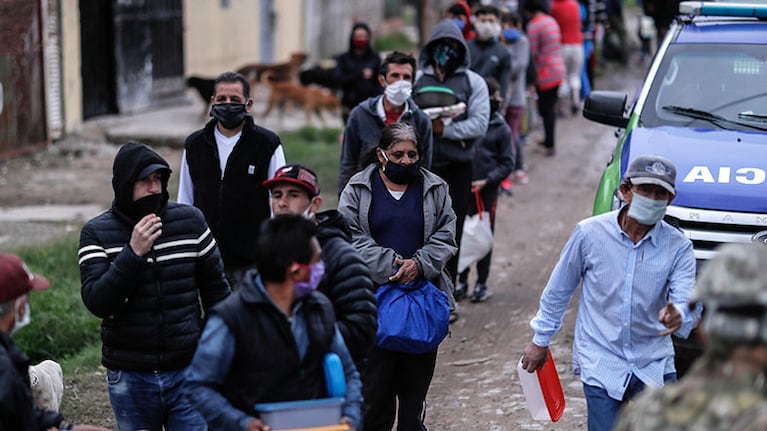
x,y
150,269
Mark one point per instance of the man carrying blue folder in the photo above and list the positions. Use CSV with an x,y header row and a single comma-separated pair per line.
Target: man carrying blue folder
x,y
267,342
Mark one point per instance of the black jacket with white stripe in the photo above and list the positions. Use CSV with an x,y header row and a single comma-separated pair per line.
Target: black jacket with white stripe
x,y
152,306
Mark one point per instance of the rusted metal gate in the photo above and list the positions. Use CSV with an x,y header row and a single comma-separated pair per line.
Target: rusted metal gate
x,y
22,110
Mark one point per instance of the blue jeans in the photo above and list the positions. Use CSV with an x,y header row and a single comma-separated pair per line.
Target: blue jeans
x,y
603,411
149,401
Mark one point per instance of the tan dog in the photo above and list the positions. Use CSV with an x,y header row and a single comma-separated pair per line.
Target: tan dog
x,y
278,72
309,98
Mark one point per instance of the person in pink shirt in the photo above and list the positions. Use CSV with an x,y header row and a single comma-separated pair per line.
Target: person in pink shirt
x,y
567,13
546,51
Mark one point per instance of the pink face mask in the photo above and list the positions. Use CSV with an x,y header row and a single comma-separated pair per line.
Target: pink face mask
x,y
316,272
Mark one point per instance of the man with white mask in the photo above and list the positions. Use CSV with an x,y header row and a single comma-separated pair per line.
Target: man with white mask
x,y
637,273
363,130
489,57
295,190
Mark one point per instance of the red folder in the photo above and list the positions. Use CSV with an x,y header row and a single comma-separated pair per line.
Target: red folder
x,y
543,391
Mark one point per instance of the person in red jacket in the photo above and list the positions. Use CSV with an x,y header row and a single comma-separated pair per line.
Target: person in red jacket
x,y
460,13
546,52
567,13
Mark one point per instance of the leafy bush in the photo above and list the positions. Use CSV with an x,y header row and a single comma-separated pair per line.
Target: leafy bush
x,y
394,42
61,325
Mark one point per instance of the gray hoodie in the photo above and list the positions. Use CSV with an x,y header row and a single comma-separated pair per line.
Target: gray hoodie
x,y
460,134
438,229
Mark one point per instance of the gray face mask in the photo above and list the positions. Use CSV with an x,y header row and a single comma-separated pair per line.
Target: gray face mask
x,y
645,210
20,322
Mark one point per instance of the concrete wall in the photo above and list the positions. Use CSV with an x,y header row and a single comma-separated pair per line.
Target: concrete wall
x,y
289,29
72,91
218,38
328,24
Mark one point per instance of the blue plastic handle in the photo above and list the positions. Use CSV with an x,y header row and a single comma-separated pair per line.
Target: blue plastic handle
x,y
334,375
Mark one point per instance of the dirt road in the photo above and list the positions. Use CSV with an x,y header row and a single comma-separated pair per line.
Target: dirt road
x,y
476,386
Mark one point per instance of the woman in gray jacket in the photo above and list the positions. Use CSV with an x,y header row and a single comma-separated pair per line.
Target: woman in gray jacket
x,y
403,225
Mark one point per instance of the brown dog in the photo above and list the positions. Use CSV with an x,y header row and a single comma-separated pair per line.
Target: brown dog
x,y
279,72
310,98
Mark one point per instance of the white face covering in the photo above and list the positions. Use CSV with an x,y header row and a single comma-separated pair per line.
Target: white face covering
x,y
20,323
645,210
487,30
398,92
308,214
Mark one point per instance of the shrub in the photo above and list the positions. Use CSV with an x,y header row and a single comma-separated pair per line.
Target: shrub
x,y
61,325
394,42
320,150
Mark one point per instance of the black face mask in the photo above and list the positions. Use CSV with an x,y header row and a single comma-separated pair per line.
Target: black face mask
x,y
230,115
147,205
400,174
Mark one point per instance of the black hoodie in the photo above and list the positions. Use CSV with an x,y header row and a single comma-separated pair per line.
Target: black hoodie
x,y
348,285
152,305
129,162
348,72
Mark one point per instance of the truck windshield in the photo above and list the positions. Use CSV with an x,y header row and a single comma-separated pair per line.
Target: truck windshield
x,y
721,80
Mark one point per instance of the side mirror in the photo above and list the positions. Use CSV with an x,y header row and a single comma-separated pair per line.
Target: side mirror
x,y
606,107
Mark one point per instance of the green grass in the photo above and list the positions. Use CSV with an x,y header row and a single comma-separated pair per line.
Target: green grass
x,y
61,325
62,328
86,359
320,151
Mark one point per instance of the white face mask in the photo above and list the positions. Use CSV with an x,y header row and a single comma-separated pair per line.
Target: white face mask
x,y
20,323
645,210
398,92
308,214
487,30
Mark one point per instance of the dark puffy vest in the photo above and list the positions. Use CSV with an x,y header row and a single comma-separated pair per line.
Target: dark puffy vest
x,y
445,150
236,202
266,367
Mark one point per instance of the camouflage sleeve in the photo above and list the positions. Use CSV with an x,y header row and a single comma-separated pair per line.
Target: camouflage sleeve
x,y
643,413
754,418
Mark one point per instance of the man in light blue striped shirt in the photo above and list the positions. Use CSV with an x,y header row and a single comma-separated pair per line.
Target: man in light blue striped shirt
x,y
637,273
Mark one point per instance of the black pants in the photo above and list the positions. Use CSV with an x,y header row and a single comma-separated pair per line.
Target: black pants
x,y
547,101
458,179
392,377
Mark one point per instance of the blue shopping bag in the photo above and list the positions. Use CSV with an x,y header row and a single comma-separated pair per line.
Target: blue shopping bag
x,y
412,317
